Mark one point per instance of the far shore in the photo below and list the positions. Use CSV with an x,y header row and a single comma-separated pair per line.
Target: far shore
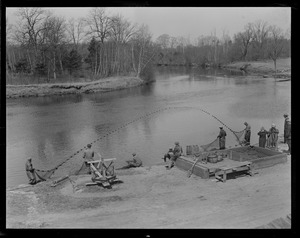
x,y
263,68
101,85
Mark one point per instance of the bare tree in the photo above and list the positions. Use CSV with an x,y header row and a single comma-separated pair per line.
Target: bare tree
x,y
142,49
164,41
260,31
244,39
54,36
75,31
275,44
121,30
29,29
98,23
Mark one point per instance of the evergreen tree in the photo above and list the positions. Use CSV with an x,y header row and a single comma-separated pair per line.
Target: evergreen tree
x,y
73,61
91,59
22,66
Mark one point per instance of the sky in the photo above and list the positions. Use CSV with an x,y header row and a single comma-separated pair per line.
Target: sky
x,y
186,21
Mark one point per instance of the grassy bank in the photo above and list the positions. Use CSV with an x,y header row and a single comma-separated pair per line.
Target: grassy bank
x,y
102,85
264,68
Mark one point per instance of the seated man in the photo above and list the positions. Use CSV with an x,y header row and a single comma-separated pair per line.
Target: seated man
x,y
168,155
177,153
135,162
30,172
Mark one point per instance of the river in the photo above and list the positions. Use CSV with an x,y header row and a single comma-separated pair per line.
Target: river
x,y
51,129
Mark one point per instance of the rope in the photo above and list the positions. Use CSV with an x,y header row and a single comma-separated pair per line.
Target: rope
x,y
135,120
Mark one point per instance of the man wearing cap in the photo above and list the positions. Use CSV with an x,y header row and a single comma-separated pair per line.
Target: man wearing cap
x,y
222,138
135,162
262,137
273,132
88,155
247,133
286,118
30,172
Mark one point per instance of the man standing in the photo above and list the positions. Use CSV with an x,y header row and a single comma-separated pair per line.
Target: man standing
x,y
273,136
30,172
286,118
289,135
135,162
247,133
222,138
262,137
88,155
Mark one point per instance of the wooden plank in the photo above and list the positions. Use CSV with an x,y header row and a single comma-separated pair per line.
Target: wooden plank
x,y
104,160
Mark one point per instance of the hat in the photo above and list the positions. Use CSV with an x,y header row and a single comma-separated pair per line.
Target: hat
x,y
245,123
176,143
133,154
273,125
285,115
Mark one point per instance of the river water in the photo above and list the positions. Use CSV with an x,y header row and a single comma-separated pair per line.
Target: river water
x,y
51,129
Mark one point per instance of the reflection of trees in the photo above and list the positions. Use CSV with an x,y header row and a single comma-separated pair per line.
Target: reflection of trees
x,y
51,100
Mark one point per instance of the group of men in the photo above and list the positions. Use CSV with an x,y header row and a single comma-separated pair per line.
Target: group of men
x,y
266,138
88,155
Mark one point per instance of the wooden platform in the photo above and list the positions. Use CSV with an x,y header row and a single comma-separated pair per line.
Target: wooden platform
x,y
211,169
260,157
238,159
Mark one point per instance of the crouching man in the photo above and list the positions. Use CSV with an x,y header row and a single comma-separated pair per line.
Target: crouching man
x,y
135,162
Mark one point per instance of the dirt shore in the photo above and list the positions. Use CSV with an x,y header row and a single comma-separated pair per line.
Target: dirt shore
x,y
102,85
153,197
264,68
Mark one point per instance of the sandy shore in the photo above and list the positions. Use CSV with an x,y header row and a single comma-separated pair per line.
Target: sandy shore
x,y
102,85
153,197
264,68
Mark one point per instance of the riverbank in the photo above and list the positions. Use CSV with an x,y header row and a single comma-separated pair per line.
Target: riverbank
x,y
153,197
264,68
102,85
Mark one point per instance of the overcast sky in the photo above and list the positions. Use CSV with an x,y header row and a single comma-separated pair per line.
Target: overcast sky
x,y
187,21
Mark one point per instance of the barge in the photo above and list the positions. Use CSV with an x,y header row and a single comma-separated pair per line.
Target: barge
x,y
238,159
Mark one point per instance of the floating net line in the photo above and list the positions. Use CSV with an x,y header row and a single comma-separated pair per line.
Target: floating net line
x,y
46,174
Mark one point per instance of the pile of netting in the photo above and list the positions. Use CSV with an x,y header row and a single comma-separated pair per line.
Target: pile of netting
x,y
46,174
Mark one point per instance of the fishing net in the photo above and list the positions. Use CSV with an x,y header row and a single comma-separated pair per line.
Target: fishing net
x,y
239,135
44,175
215,144
211,146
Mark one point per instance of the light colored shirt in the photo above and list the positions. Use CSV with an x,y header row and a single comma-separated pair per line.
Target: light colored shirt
x,y
88,155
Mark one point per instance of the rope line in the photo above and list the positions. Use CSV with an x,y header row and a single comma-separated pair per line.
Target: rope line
x,y
137,119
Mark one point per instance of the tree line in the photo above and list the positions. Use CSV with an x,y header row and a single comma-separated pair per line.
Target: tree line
x,y
43,47
258,41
